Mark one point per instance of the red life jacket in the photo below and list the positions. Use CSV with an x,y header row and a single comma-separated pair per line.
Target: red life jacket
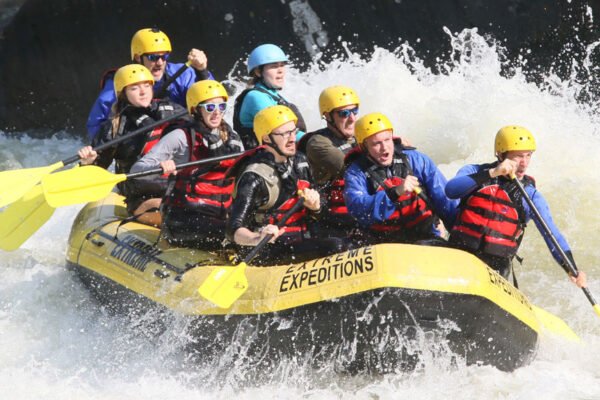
x,y
204,189
412,210
334,190
157,133
492,219
296,223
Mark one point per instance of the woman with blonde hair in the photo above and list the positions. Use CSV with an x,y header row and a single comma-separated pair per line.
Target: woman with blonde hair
x,y
134,109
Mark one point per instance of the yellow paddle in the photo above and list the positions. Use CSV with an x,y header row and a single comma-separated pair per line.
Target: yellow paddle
x,y
22,218
91,183
566,260
15,183
226,284
554,325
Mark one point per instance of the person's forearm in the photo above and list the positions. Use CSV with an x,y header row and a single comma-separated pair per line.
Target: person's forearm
x,y
246,237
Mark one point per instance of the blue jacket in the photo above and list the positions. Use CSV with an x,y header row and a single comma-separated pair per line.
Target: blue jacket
x,y
255,101
471,176
177,90
371,208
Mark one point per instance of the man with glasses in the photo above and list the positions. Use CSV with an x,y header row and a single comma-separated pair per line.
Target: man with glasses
x,y
394,192
151,47
268,180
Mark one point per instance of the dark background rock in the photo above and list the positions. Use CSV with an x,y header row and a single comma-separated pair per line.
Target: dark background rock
x,y
54,52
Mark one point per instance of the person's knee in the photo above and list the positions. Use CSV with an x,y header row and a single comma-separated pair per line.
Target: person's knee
x,y
149,204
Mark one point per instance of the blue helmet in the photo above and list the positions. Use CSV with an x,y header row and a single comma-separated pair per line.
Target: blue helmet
x,y
265,54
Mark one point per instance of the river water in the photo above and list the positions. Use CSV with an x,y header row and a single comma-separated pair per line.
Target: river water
x,y
58,343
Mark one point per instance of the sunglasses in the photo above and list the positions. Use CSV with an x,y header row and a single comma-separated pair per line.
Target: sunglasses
x,y
287,134
346,113
212,107
156,57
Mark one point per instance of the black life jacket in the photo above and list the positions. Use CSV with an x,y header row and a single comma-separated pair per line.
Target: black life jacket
x,y
283,183
247,133
132,118
109,74
412,213
492,218
206,189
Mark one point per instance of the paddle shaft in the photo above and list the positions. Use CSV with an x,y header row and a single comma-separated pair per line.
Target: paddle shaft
x,y
299,204
165,85
184,165
120,139
566,260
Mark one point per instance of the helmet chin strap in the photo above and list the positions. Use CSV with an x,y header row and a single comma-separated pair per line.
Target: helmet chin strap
x,y
274,147
262,80
333,127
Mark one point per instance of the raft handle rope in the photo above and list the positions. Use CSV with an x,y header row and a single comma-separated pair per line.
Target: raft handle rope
x,y
155,259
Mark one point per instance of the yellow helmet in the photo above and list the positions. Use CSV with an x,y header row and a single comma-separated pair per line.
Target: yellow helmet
x,y
513,137
204,90
371,124
335,97
130,74
271,118
149,40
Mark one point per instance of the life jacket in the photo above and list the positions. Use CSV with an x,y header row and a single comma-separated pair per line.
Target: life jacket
x,y
206,189
109,74
412,213
492,218
154,136
247,133
334,190
279,199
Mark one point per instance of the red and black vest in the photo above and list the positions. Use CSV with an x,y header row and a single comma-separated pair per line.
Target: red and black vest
x,y
157,133
296,223
204,189
334,190
283,181
412,214
492,218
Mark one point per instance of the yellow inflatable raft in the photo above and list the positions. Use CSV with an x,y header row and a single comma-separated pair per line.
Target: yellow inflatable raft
x,y
369,309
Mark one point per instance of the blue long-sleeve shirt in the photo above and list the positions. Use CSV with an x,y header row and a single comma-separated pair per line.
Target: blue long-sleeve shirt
x,y
177,90
471,176
255,101
370,207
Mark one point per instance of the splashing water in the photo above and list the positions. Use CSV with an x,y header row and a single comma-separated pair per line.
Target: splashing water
x,y
59,343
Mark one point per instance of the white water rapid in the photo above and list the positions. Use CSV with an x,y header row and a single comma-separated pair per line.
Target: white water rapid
x,y
56,342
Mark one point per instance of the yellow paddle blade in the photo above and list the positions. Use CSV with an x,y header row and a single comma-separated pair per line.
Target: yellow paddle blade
x,y
597,309
15,183
225,285
79,185
22,218
554,325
